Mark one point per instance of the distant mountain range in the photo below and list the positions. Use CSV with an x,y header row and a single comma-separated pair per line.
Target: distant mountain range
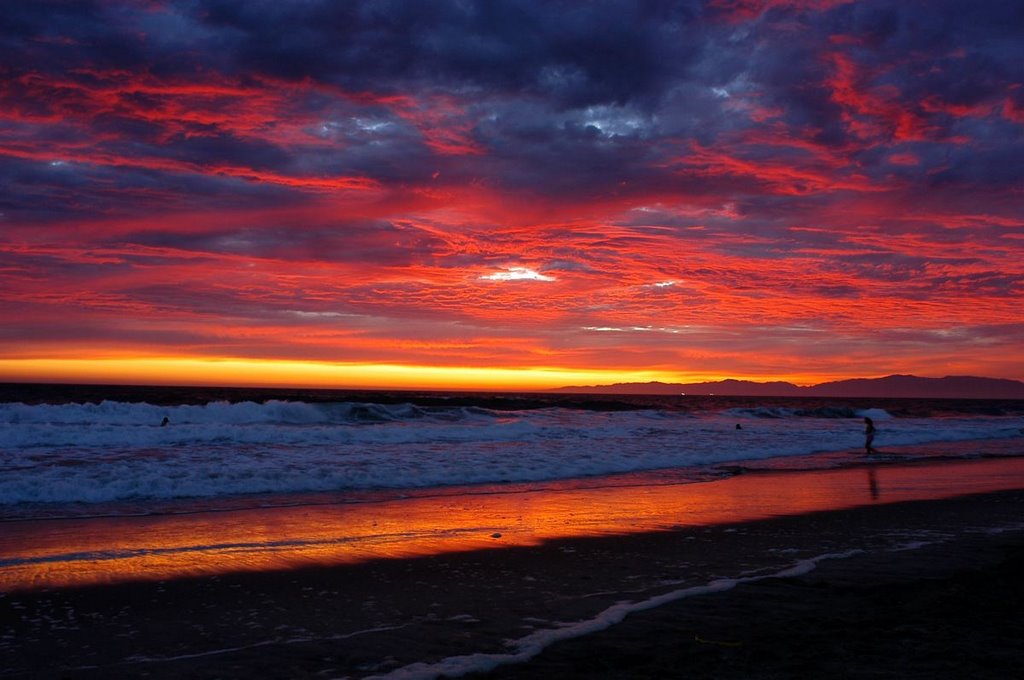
x,y
900,386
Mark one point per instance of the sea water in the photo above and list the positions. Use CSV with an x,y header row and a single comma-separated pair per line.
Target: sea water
x,y
77,451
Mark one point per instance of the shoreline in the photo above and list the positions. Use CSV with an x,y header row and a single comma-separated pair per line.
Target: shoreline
x,y
106,550
946,608
573,577
910,454
414,617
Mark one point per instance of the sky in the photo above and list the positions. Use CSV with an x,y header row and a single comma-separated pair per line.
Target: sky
x,y
510,194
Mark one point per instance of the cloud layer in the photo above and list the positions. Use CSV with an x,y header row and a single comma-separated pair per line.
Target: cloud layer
x,y
756,188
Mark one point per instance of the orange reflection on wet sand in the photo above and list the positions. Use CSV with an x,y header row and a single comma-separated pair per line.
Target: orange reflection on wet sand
x,y
60,553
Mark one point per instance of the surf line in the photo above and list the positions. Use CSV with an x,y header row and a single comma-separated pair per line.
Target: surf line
x,y
533,644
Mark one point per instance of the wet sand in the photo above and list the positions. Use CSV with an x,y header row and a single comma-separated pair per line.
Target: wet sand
x,y
926,588
952,610
332,531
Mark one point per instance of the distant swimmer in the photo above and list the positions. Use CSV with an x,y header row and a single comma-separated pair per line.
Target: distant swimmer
x,y
164,422
738,426
869,436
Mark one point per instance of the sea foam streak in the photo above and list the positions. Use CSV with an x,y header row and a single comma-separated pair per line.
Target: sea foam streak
x,y
530,646
117,451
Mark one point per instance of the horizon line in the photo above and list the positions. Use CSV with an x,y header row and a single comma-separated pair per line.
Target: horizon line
x,y
472,379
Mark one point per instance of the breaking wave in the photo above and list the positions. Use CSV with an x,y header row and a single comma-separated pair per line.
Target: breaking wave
x,y
115,451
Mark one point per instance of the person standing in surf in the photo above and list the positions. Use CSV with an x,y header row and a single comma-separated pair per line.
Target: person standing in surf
x,y
869,436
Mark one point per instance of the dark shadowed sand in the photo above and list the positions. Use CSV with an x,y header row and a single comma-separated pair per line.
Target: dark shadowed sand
x,y
952,610
921,589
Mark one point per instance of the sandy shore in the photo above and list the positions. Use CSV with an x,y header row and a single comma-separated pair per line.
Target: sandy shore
x,y
910,589
954,609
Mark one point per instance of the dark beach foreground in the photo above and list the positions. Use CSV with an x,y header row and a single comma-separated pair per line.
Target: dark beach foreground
x,y
927,588
954,609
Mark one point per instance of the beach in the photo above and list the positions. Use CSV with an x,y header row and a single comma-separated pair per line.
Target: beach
x,y
903,576
950,610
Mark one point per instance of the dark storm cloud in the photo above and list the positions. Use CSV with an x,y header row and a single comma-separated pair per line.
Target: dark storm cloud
x,y
380,242
570,100
208,149
997,167
567,55
580,54
927,59
43,191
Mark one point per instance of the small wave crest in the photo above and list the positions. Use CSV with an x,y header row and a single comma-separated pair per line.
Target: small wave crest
x,y
779,412
115,451
271,412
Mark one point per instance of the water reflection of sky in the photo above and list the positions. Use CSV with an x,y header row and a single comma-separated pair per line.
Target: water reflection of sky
x,y
55,553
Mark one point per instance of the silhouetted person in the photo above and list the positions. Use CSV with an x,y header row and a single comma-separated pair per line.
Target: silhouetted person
x,y
738,426
163,423
869,436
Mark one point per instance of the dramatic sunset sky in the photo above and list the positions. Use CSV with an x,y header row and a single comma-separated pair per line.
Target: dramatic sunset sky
x,y
510,194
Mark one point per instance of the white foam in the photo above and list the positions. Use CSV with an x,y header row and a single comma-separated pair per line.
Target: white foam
x,y
112,451
526,648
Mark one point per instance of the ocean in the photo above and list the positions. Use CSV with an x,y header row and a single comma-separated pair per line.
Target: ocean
x,y
320,533
81,451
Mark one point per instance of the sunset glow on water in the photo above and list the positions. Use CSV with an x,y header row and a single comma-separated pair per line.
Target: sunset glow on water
x,y
57,553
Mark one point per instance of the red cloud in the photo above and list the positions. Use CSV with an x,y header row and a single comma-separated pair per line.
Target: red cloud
x,y
873,114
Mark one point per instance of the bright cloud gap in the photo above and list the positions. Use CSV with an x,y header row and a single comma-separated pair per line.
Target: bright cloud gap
x,y
517,274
